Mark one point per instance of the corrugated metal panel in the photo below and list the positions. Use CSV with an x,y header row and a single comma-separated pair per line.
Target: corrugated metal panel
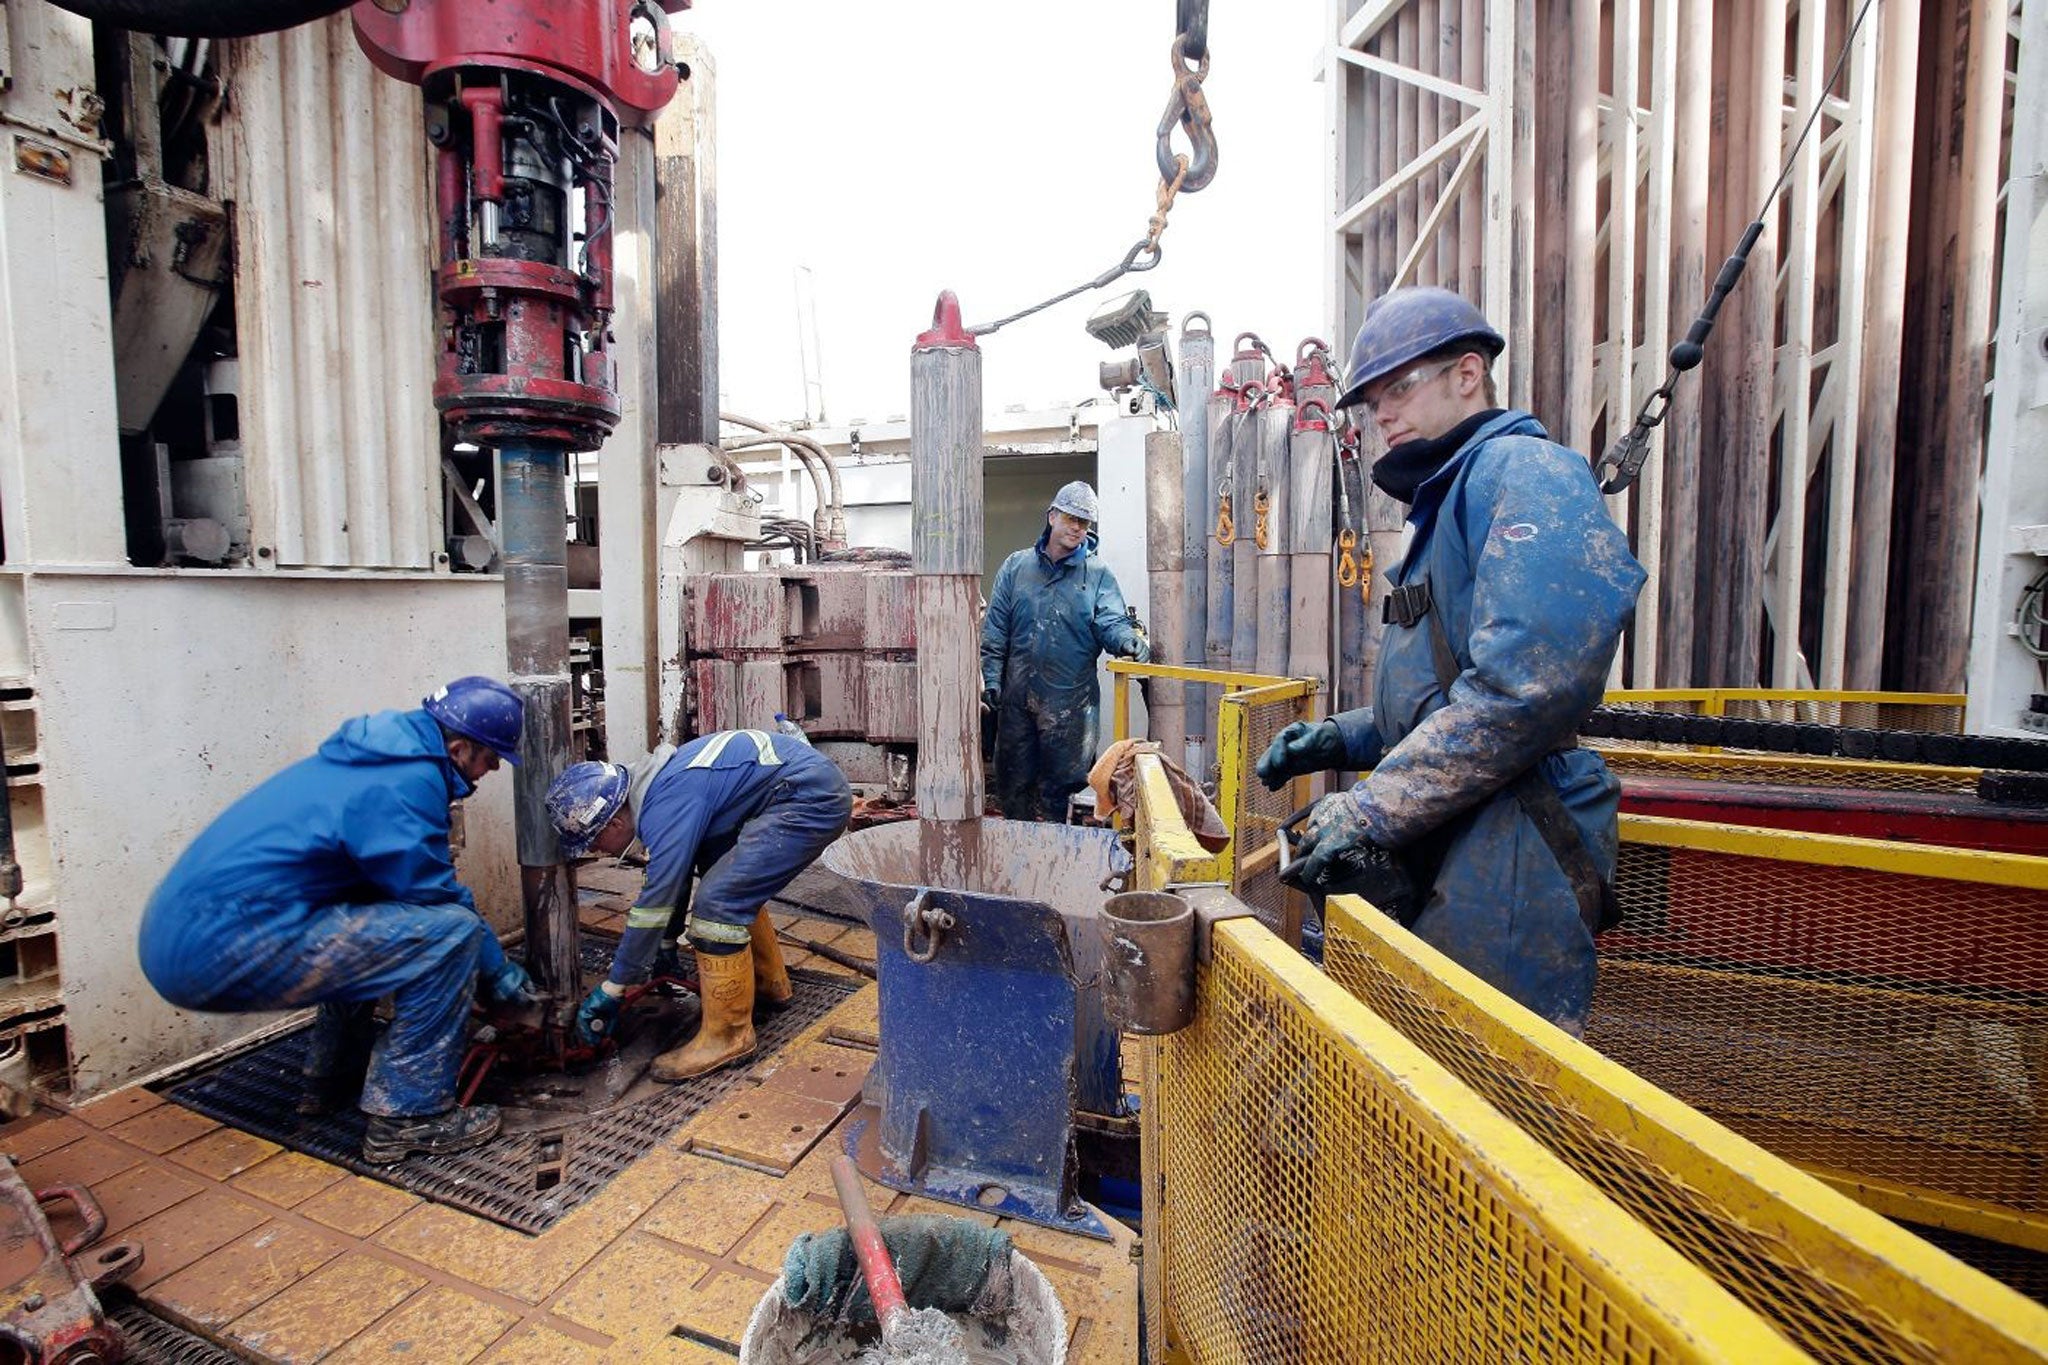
x,y
327,171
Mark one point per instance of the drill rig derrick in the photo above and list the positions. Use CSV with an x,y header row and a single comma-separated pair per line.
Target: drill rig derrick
x,y
524,104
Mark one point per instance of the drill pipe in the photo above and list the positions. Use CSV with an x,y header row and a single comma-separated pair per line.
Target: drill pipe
x,y
531,519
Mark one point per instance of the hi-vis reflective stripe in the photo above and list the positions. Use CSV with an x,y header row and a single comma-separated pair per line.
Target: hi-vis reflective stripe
x,y
648,916
764,748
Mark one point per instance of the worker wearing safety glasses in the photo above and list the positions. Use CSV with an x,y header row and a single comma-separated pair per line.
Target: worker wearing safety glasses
x,y
1480,824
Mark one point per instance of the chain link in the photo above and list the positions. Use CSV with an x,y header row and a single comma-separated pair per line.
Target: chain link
x,y
1187,108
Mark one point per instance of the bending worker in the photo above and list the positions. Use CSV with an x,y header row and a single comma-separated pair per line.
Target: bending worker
x,y
332,885
1480,824
746,811
1053,610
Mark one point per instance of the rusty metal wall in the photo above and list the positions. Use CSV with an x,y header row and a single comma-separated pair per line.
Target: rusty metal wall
x,y
324,163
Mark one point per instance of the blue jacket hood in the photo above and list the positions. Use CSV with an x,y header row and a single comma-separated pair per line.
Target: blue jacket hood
x,y
393,737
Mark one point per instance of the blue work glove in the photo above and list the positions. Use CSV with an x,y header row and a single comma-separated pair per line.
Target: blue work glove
x,y
596,1017
1306,746
1333,856
509,985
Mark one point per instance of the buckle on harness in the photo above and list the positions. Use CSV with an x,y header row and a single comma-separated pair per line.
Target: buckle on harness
x,y
1406,604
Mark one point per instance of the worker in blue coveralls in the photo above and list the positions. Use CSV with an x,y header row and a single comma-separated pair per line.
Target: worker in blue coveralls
x,y
332,885
1480,823
1053,611
742,810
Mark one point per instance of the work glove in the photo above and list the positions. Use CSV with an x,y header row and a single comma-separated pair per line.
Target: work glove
x,y
509,985
597,1016
1304,747
1334,856
989,697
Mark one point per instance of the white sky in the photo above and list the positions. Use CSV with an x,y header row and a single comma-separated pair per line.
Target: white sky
x,y
1005,151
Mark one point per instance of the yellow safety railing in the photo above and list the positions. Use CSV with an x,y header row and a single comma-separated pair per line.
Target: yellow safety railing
x,y
1937,711
1836,1278
1319,1189
1875,1011
1252,709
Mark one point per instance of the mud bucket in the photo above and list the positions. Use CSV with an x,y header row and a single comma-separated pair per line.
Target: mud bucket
x,y
1148,961
1019,1322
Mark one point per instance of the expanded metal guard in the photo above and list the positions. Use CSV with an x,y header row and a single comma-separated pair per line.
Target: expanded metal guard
x,y
1875,1011
1630,758
1247,722
1331,1194
1841,1282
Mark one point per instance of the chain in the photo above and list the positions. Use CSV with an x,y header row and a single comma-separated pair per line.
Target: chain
x,y
1187,108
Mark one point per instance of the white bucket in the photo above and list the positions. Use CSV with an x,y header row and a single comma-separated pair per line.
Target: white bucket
x,y
1025,1326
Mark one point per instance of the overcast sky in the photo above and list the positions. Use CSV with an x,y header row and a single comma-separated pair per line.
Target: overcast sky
x,y
897,147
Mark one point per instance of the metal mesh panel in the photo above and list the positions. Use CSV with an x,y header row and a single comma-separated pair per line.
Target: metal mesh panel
x,y
1256,814
1333,1195
1647,758
1771,1238
1878,1023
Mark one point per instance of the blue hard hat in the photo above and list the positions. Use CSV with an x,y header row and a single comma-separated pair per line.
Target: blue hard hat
x,y
1404,325
1077,499
582,801
482,709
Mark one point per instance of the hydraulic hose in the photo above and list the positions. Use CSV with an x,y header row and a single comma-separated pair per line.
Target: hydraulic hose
x,y
204,18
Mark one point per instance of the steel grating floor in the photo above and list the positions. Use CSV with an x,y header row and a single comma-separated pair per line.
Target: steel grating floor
x,y
526,1181
153,1341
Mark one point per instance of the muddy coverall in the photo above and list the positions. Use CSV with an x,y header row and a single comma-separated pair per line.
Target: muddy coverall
x,y
332,884
1046,624
743,810
1533,585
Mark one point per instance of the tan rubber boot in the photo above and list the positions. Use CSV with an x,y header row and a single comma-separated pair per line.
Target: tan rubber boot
x,y
771,979
725,1034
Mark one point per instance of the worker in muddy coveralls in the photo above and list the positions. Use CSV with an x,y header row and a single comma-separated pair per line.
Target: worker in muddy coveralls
x,y
1509,599
1054,610
742,810
332,885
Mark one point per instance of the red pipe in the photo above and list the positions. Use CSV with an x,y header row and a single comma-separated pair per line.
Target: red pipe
x,y
883,1286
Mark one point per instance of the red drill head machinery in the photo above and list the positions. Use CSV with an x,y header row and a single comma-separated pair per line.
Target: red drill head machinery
x,y
524,102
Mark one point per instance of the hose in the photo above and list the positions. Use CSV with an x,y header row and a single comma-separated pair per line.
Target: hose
x,y
204,18
807,458
795,440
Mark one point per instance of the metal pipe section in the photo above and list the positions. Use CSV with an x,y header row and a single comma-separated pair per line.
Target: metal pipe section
x,y
1244,551
945,553
1309,516
533,521
1218,608
1276,425
1198,498
1165,565
1352,621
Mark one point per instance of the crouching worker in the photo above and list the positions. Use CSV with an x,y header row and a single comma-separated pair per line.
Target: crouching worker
x,y
745,811
332,885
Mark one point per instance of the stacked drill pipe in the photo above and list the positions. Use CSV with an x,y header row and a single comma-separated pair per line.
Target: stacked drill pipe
x,y
1272,536
1165,566
1198,503
1311,516
945,554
